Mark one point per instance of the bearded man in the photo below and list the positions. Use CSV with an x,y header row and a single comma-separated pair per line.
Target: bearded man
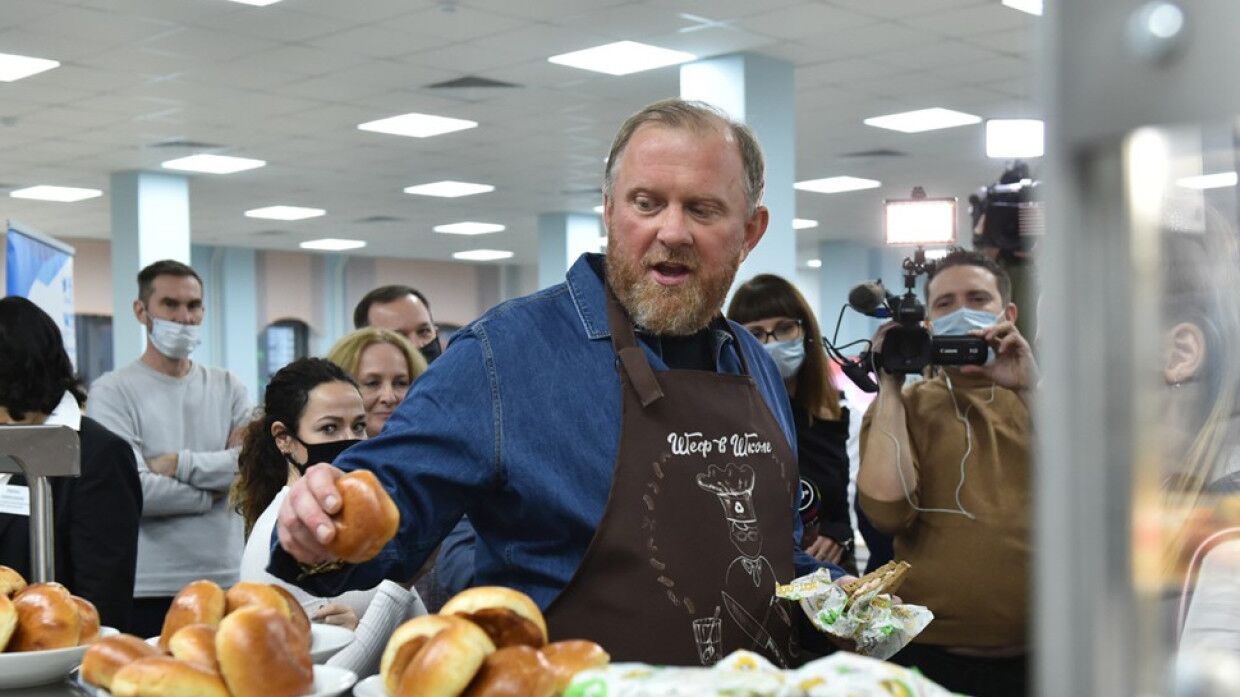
x,y
592,430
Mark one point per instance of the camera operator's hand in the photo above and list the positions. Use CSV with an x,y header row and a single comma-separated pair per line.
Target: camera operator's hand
x,y
1014,366
885,380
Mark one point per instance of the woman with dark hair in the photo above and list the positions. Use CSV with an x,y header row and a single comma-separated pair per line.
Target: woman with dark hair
x,y
96,513
776,313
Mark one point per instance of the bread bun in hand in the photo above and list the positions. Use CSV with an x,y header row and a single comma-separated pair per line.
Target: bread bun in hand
x,y
447,663
367,519
110,654
260,656
163,676
199,602
89,615
47,618
195,644
517,671
11,582
8,620
567,658
509,617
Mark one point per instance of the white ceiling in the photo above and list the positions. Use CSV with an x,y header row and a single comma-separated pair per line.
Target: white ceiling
x,y
290,82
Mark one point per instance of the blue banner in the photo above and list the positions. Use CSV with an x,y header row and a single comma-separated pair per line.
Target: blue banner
x,y
41,269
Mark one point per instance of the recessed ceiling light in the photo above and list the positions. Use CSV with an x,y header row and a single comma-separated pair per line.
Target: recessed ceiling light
x,y
61,194
1217,180
803,224
284,213
622,58
332,244
1012,138
814,263
469,228
836,185
417,125
214,164
482,255
449,189
1033,7
257,3
923,120
600,209
14,67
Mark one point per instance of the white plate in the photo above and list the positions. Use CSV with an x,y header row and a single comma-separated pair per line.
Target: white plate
x,y
371,687
326,640
329,681
30,668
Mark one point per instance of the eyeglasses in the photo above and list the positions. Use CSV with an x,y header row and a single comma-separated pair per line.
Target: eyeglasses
x,y
785,330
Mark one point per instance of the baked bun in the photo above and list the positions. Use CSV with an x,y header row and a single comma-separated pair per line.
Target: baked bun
x,y
517,671
162,676
405,643
509,617
199,602
8,620
47,618
367,519
259,657
301,621
110,654
251,593
195,644
447,663
89,616
568,658
11,582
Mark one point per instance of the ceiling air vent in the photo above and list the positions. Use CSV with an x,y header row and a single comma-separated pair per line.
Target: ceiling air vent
x,y
470,82
187,144
379,219
880,152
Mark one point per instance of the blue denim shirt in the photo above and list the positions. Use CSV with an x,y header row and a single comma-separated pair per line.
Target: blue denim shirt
x,y
517,424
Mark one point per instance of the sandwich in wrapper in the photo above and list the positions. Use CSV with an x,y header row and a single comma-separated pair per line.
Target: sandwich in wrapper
x,y
861,610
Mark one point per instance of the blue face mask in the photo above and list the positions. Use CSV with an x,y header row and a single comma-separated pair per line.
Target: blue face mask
x,y
963,321
788,355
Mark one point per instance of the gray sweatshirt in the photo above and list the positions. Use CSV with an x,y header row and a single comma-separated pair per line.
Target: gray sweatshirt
x,y
188,531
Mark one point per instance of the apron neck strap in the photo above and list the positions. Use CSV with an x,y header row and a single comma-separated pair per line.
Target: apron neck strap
x,y
632,358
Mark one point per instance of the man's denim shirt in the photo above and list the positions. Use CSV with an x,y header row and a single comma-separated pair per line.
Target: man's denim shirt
x,y
517,424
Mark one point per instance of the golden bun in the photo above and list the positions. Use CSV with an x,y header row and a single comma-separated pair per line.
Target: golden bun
x,y
516,671
297,614
509,617
199,602
8,620
252,593
367,519
195,643
163,676
110,654
447,663
567,658
405,643
89,616
47,618
259,656
11,582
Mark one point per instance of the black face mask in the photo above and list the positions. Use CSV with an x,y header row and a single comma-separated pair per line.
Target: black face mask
x,y
320,452
431,351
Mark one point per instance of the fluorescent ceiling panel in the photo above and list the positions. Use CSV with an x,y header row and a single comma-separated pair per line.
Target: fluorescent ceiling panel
x,y
600,210
814,263
469,228
803,224
482,255
1217,180
923,120
837,185
449,189
213,164
622,58
332,244
416,125
257,3
60,194
1014,138
1033,7
14,67
284,213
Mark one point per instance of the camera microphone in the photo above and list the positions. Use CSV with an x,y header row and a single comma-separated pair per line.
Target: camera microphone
x,y
870,298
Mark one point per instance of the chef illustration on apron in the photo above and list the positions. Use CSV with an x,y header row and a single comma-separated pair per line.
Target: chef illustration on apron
x,y
698,526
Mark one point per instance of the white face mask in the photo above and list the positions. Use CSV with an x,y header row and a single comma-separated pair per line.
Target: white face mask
x,y
173,339
788,356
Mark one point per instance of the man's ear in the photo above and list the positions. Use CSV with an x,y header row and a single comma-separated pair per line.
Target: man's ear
x,y
1186,353
1011,312
138,310
755,228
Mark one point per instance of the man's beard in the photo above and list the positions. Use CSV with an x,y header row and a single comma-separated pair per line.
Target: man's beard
x,y
669,310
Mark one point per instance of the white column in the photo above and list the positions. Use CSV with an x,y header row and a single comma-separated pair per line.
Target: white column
x,y
230,323
562,237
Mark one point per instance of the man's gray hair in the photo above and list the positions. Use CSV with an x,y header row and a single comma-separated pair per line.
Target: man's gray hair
x,y
698,116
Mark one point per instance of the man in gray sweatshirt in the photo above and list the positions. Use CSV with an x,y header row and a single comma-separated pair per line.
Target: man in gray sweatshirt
x,y
184,422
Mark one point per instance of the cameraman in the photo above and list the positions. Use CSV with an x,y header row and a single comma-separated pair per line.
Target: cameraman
x,y
945,470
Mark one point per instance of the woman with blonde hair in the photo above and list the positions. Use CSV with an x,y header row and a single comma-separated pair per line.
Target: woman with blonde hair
x,y
384,364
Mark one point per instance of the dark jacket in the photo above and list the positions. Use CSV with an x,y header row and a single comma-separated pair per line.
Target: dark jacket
x,y
96,526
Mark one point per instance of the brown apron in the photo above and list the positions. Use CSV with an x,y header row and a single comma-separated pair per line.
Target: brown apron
x,y
698,527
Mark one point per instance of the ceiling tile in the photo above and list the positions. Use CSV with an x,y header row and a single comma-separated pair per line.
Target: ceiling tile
x,y
803,21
